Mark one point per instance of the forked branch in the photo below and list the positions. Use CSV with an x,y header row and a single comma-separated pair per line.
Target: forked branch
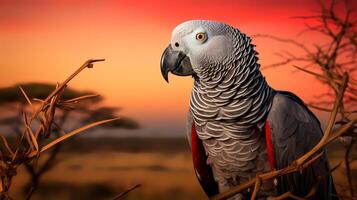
x,y
30,145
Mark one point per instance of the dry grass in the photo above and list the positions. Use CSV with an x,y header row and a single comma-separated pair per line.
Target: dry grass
x,y
162,176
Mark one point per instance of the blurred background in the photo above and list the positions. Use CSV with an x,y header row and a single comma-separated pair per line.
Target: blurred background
x,y
42,42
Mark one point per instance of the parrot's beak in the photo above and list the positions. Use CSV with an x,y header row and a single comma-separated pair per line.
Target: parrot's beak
x,y
175,62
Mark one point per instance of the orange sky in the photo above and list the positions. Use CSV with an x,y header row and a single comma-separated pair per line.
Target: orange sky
x,y
44,41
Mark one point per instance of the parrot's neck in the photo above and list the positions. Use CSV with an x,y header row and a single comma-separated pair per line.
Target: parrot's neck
x,y
236,94
244,99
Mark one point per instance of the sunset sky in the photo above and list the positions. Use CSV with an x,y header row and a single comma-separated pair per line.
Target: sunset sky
x,y
44,41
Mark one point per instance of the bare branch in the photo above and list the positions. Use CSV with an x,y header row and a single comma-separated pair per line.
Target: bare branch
x,y
329,110
70,134
119,196
29,146
283,40
303,161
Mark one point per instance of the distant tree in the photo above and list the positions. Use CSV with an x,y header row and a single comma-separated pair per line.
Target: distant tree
x,y
12,101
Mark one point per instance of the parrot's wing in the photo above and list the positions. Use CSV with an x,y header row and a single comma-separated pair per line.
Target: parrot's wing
x,y
294,131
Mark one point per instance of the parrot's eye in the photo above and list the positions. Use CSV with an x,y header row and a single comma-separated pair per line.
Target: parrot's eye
x,y
201,37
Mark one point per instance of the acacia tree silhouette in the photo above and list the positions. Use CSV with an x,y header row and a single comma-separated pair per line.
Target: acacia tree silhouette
x,y
90,111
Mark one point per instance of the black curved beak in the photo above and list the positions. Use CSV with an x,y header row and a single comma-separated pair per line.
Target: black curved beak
x,y
175,62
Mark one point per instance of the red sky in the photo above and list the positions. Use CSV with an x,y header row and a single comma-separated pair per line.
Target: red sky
x,y
44,41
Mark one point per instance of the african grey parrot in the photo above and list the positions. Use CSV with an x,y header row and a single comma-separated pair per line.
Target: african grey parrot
x,y
238,125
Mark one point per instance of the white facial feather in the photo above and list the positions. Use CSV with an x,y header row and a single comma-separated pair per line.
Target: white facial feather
x,y
215,49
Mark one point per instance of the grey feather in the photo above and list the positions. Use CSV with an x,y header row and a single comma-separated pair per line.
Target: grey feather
x,y
295,130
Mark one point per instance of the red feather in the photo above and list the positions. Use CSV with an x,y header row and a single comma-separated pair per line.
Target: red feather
x,y
269,146
203,171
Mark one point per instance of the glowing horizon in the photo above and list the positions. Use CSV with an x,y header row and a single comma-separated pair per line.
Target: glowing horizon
x,y
44,41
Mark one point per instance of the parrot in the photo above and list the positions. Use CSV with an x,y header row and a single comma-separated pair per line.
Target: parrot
x,y
237,125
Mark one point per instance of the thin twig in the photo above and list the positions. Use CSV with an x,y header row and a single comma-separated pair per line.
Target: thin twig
x,y
27,98
87,64
257,185
8,148
287,195
329,110
348,167
119,196
303,161
72,133
75,100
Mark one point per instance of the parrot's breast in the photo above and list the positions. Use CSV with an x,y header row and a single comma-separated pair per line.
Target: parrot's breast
x,y
229,104
231,130
233,157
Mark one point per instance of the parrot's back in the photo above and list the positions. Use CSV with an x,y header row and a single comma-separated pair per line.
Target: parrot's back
x,y
295,130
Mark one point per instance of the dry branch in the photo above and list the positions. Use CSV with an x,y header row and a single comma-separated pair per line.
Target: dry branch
x,y
70,134
121,195
30,145
332,58
305,160
328,109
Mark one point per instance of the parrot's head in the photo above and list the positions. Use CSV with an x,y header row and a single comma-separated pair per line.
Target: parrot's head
x,y
198,47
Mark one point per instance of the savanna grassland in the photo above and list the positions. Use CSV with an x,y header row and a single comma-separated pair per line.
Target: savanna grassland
x,y
100,168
